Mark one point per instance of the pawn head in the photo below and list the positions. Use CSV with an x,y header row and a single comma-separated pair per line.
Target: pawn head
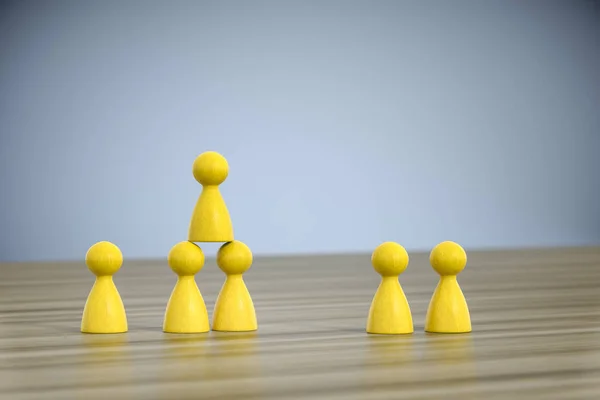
x,y
186,258
104,259
389,259
234,258
210,168
448,258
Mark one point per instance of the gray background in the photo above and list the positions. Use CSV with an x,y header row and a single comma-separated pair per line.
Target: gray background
x,y
345,123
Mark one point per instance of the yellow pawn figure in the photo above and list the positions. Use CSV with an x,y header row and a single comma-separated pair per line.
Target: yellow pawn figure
x,y
210,220
234,309
448,311
389,313
186,311
104,311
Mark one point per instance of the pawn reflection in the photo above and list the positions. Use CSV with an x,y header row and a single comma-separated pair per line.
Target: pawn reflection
x,y
388,361
105,360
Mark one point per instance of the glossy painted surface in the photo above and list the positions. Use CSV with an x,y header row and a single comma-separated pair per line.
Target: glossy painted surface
x,y
390,312
448,310
535,316
104,311
210,220
186,311
234,309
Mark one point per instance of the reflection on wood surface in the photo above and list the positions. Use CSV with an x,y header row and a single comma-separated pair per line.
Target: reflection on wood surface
x,y
535,316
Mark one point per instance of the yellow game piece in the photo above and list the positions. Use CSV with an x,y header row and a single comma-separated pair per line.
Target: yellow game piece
x,y
234,309
186,311
389,313
104,311
448,311
210,220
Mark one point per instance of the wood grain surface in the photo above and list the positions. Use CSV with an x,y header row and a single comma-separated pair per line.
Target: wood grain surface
x,y
535,315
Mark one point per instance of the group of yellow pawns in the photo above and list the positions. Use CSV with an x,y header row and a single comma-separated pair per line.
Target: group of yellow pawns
x,y
186,312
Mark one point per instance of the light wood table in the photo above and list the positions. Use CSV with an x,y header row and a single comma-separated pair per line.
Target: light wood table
x,y
535,315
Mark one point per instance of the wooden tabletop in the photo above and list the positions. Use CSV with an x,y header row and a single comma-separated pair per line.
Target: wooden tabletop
x,y
535,316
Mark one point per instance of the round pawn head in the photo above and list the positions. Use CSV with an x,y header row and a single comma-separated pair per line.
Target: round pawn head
x,y
448,258
210,168
186,259
104,259
389,259
234,258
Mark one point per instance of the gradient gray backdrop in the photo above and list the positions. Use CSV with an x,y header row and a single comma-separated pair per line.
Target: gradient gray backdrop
x,y
345,123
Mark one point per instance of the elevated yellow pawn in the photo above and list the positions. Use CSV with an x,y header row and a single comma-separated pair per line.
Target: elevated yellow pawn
x,y
389,313
234,309
104,311
186,311
210,220
448,311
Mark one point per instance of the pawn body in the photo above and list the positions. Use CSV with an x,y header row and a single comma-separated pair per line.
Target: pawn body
x,y
448,311
104,311
210,220
389,312
234,309
186,311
